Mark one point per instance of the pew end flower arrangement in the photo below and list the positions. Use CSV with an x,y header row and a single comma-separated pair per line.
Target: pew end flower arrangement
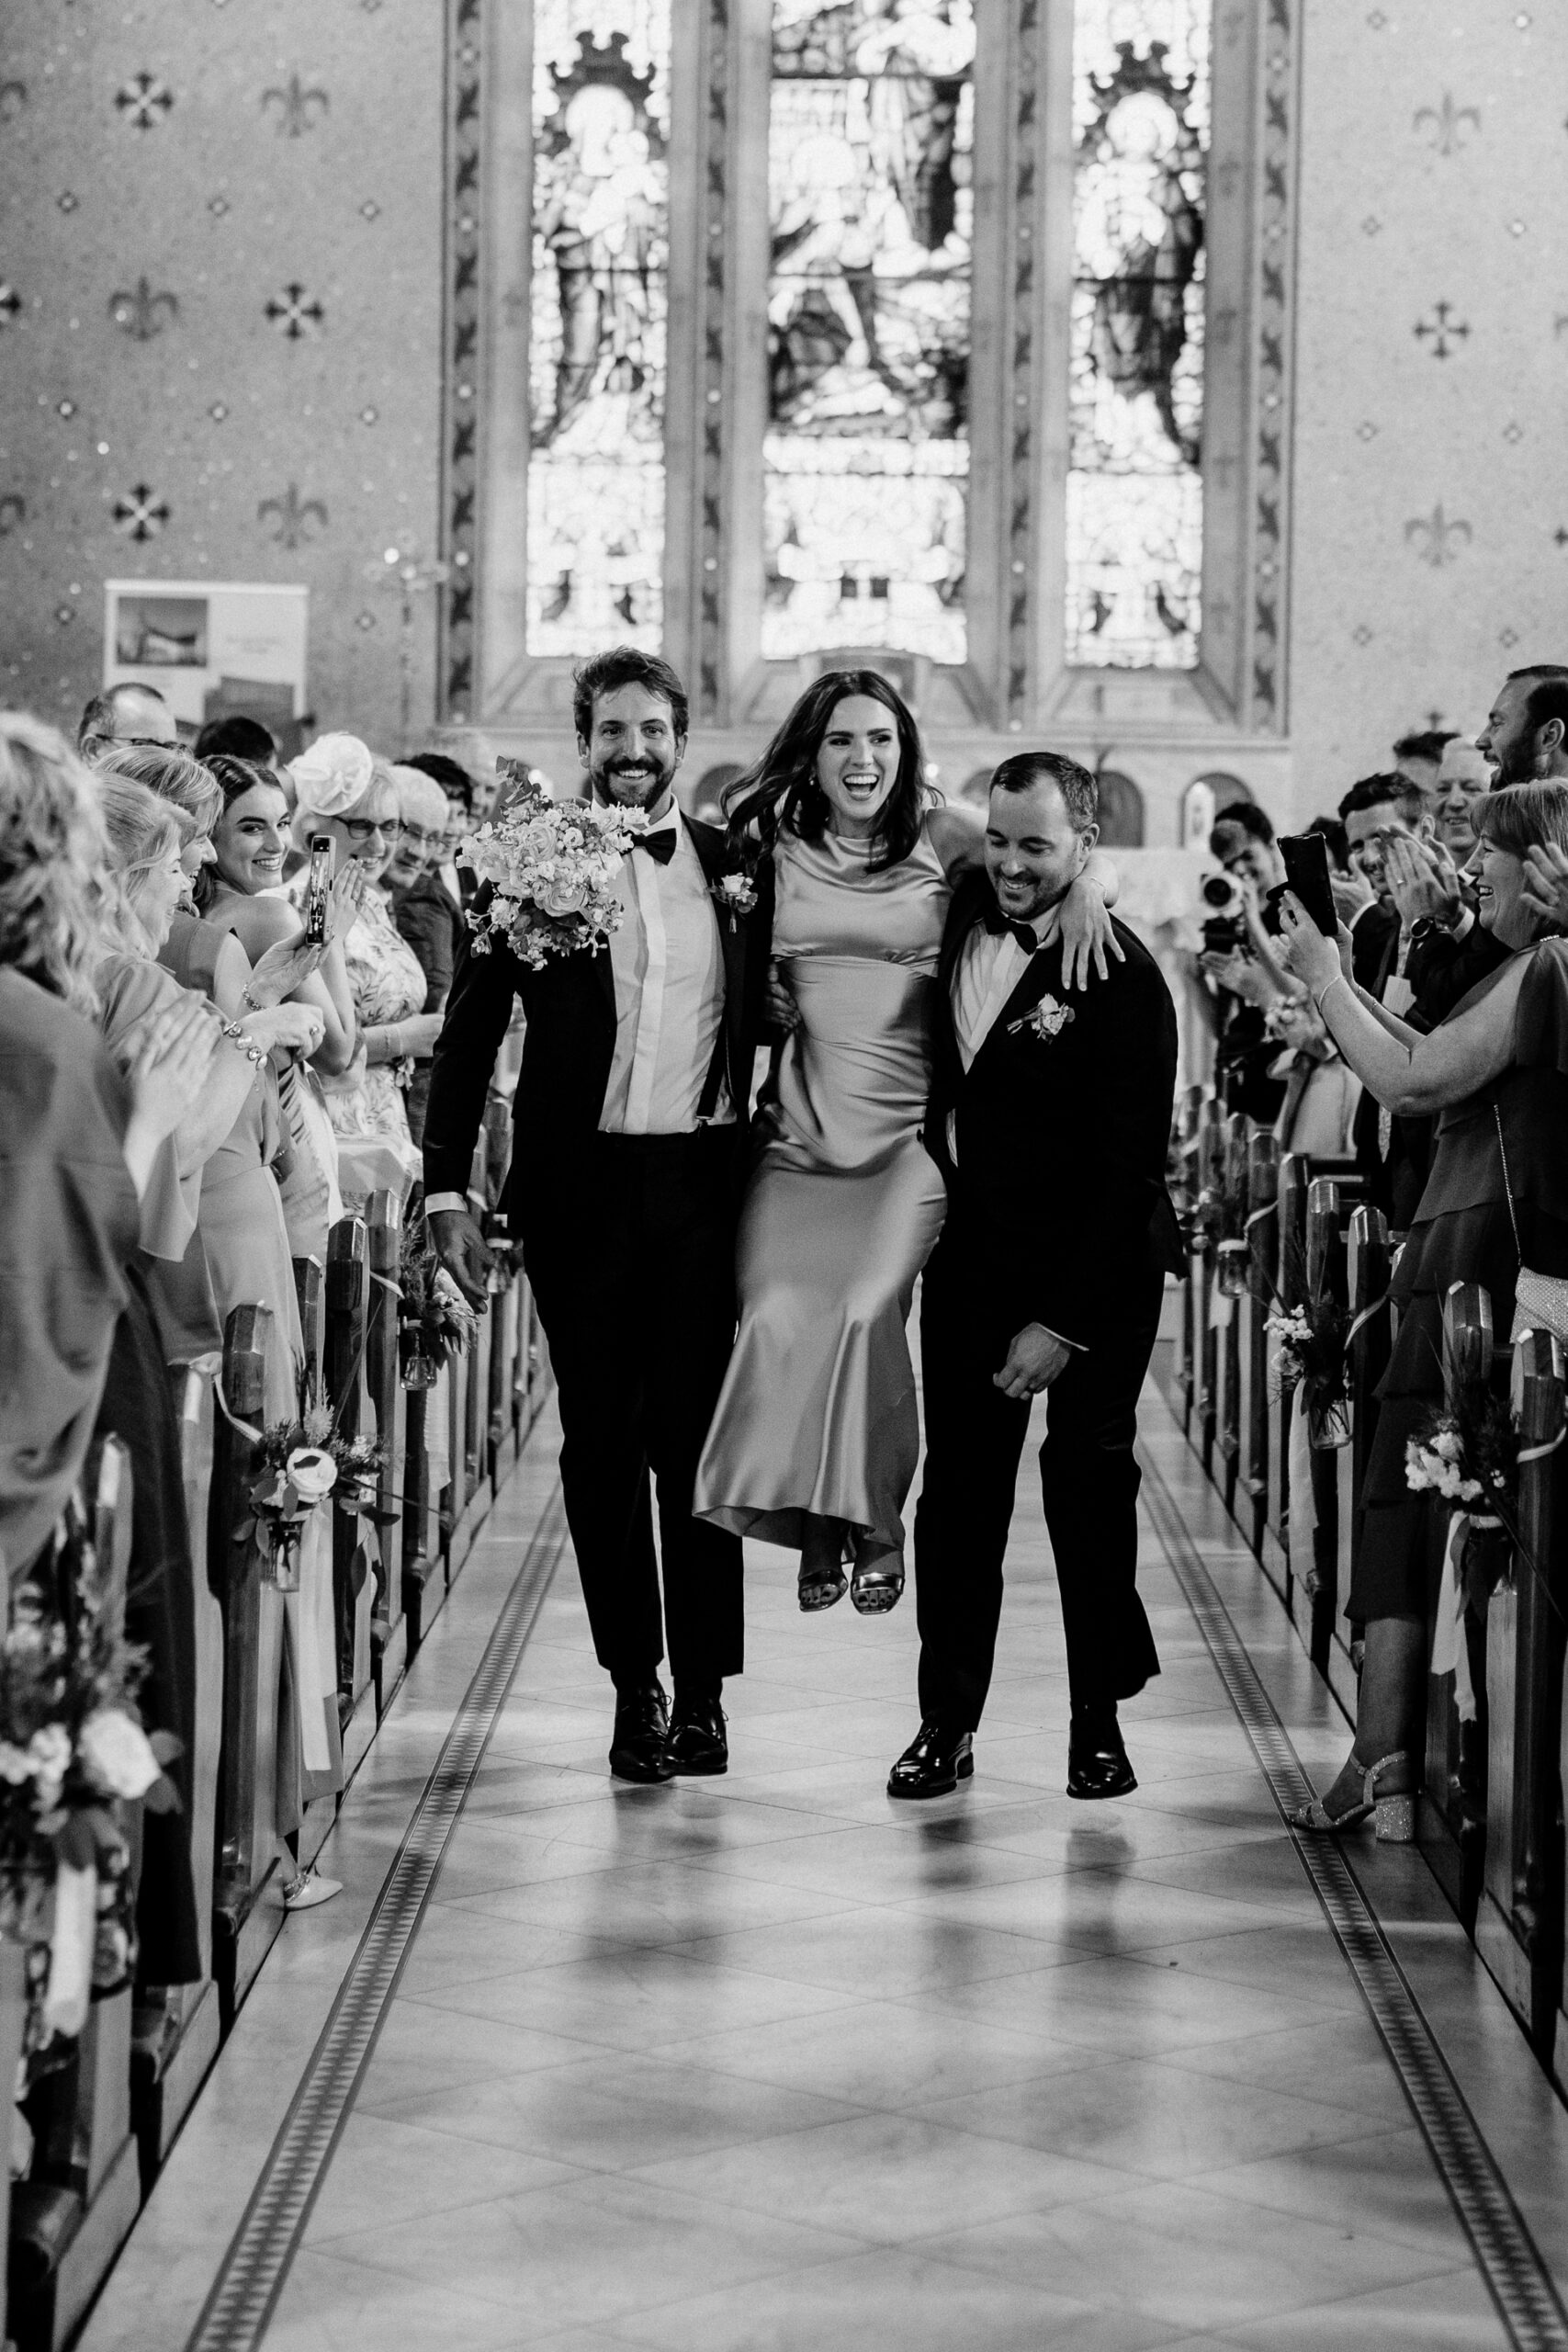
x,y
548,871
1311,1338
298,1465
1469,1457
73,1750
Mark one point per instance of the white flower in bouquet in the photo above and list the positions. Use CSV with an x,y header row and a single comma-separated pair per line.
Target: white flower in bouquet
x,y
311,1473
15,1764
118,1753
552,867
49,1751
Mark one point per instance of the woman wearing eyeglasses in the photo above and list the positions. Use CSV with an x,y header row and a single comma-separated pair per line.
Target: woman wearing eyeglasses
x,y
344,792
426,915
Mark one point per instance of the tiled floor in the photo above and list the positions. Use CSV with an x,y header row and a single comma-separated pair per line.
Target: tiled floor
x,y
772,2064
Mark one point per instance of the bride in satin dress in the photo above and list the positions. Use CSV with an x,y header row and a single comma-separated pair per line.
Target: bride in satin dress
x,y
816,1436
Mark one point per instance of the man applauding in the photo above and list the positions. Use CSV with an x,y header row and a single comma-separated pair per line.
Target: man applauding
x,y
1050,1115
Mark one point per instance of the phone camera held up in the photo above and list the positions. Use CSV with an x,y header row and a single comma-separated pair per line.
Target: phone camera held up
x,y
317,888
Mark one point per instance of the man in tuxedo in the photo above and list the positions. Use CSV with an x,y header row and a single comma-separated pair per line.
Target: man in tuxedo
x,y
1050,1118
627,1130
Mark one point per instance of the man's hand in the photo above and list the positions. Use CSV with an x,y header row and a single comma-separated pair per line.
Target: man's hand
x,y
1087,933
1035,1359
781,1008
1242,974
463,1250
1546,882
1423,880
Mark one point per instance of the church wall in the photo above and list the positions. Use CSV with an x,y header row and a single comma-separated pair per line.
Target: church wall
x,y
286,145
1430,539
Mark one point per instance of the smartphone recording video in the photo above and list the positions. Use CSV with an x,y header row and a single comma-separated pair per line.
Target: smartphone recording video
x,y
317,886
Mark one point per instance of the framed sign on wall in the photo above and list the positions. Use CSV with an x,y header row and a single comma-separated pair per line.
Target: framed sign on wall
x,y
196,641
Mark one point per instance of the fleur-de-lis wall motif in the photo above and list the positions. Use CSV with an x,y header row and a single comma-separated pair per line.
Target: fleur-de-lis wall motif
x,y
296,313
297,519
299,108
144,101
1436,539
1442,330
1447,124
12,512
140,513
10,303
141,314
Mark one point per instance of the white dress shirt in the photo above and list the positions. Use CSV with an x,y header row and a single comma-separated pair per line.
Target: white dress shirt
x,y
668,967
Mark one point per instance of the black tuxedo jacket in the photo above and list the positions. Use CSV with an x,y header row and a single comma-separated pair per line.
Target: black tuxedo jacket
x,y
1062,1140
569,1045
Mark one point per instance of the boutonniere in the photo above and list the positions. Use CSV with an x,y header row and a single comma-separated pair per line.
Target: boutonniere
x,y
1047,1020
736,893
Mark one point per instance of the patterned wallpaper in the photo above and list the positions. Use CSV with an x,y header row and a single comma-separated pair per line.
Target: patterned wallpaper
x,y
1431,464
220,326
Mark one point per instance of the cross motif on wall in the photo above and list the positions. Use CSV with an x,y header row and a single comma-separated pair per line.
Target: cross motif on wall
x,y
1442,330
297,314
143,514
144,102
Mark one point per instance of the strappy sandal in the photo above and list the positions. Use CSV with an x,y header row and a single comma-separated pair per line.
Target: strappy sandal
x,y
877,1584
820,1587
1394,1817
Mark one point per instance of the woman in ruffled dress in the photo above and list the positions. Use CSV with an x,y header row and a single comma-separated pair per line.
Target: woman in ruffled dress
x,y
816,1436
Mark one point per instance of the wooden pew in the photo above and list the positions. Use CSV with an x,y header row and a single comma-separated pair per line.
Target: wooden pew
x,y
1187,1371
1262,1255
177,2026
384,1379
1451,1816
1327,1276
1230,1289
69,2220
348,1304
1369,1270
1211,1179
1291,1253
1519,1921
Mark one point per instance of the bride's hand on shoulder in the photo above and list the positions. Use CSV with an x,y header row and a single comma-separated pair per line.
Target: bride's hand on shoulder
x,y
1087,935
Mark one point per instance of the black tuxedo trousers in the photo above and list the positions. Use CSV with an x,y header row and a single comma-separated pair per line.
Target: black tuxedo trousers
x,y
1089,1472
633,1276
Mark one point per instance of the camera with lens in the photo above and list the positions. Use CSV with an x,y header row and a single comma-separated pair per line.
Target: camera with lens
x,y
1225,931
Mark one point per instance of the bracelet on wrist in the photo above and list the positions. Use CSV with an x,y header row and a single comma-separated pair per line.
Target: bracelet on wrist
x,y
248,1000
1323,992
253,1054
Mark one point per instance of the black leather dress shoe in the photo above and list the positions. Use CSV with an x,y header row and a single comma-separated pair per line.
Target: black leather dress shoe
x,y
697,1742
639,1744
935,1762
1097,1760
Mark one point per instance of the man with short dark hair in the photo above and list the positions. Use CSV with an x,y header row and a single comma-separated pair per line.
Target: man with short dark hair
x,y
628,1128
1420,756
1526,734
129,713
238,738
1049,1117
1248,979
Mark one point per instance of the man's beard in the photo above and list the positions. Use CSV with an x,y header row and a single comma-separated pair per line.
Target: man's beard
x,y
648,781
1516,767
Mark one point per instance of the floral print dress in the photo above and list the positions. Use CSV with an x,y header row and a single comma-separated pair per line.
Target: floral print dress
x,y
375,1152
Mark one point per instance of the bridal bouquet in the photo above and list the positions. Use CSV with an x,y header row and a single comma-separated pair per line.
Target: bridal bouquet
x,y
551,866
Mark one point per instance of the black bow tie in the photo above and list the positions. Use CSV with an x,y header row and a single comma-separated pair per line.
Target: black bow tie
x,y
997,923
661,846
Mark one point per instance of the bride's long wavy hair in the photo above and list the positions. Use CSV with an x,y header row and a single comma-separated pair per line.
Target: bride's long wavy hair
x,y
781,792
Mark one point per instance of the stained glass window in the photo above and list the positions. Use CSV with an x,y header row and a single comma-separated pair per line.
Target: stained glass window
x,y
598,323
1134,509
866,454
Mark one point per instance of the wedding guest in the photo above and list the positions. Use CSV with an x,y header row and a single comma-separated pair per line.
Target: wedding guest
x,y
464,813
628,1127
1248,978
1494,1073
423,907
1049,1119
348,795
124,714
1462,776
816,1437
80,1137
1384,816
237,899
1318,1113
1525,735
241,738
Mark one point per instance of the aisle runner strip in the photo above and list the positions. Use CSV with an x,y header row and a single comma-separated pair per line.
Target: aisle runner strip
x,y
252,2275
1509,2260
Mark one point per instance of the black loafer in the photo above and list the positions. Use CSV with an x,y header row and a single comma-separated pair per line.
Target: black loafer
x,y
639,1744
1097,1760
935,1762
697,1742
